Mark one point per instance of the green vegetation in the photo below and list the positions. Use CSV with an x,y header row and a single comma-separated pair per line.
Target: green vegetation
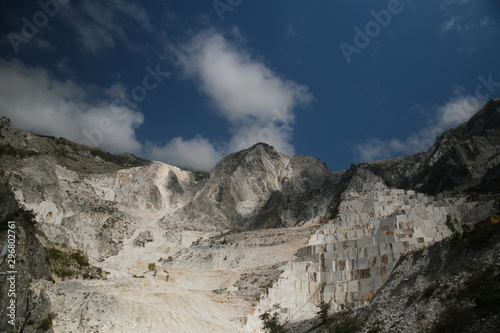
x,y
451,225
79,157
323,313
124,160
343,322
80,259
20,214
71,264
377,327
152,267
271,321
233,231
484,288
481,236
340,322
8,150
452,320
200,175
431,288
46,323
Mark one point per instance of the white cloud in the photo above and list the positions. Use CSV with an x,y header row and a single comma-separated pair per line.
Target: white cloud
x,y
257,102
455,111
36,101
274,134
196,154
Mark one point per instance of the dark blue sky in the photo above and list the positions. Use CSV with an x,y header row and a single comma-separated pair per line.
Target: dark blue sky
x,y
187,83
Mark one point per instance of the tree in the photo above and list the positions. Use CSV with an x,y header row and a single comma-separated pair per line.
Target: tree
x,y
271,321
324,312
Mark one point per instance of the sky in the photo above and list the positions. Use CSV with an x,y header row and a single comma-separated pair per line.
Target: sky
x,y
188,83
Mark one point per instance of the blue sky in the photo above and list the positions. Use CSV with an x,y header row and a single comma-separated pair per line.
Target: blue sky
x,y
190,82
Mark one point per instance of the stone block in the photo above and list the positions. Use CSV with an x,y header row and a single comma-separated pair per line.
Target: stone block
x,y
376,240
330,247
329,265
352,253
353,286
335,276
340,297
372,250
366,284
391,239
329,289
351,234
362,263
384,248
389,221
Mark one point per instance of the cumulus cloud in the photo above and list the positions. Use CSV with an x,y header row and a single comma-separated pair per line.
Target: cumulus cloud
x,y
258,104
34,100
197,154
455,111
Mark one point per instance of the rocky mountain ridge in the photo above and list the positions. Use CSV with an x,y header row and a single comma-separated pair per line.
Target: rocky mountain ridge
x,y
261,228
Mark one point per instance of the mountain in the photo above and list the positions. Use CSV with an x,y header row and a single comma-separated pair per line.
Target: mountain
x,y
459,160
258,188
115,243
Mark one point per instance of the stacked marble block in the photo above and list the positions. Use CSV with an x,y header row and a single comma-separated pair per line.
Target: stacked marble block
x,y
348,259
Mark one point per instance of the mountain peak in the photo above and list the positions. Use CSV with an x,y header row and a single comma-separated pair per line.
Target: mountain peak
x,y
486,118
260,148
246,157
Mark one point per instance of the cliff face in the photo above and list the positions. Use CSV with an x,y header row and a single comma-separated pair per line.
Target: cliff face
x,y
30,263
121,237
257,188
465,158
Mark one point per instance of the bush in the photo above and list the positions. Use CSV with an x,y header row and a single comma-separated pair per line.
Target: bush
x,y
152,266
46,324
271,321
450,225
484,288
69,264
344,322
377,327
55,254
453,320
430,289
80,259
324,312
481,236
